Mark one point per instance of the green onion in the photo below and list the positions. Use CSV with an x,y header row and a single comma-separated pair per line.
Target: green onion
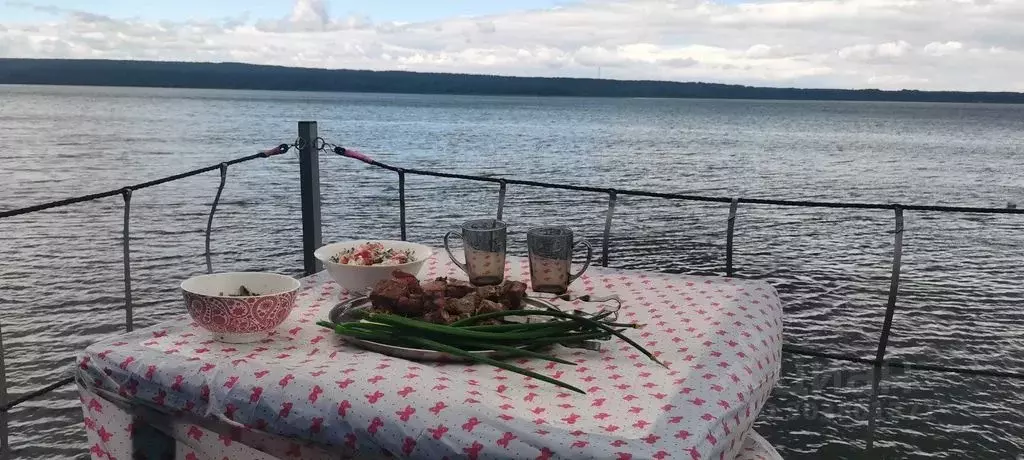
x,y
485,360
539,329
513,351
571,338
508,338
512,326
579,318
501,314
407,323
627,325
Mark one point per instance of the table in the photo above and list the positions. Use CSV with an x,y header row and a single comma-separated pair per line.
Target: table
x,y
303,393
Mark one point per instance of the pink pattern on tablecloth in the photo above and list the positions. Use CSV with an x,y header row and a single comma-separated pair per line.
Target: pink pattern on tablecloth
x,y
303,386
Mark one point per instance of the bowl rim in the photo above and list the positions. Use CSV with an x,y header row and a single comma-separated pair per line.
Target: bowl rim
x,y
296,284
322,257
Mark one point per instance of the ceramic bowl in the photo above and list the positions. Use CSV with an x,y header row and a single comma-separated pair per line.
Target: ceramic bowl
x,y
359,278
213,303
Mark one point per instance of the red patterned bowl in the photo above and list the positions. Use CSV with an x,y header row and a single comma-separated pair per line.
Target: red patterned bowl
x,y
215,302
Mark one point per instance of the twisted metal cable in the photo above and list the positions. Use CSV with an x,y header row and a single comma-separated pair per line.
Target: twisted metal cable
x,y
356,155
281,149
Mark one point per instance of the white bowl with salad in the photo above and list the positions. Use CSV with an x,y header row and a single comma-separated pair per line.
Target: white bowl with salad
x,y
358,265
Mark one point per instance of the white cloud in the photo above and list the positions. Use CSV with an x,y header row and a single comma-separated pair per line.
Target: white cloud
x,y
884,51
310,11
925,44
942,49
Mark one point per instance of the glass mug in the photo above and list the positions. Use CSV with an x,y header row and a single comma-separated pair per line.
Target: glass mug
x,y
551,251
483,243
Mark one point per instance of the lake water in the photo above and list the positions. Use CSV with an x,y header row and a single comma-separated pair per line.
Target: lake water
x,y
960,299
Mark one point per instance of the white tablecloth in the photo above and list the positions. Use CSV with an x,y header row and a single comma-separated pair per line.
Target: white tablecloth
x,y
303,393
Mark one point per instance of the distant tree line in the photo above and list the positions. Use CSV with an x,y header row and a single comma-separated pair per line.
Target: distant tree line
x,y
262,77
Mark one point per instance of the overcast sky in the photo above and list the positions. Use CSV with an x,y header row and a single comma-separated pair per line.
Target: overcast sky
x,y
890,44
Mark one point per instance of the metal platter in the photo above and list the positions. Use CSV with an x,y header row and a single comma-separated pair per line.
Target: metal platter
x,y
345,311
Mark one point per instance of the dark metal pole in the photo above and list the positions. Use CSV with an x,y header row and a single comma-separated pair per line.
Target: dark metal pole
x,y
728,236
401,201
876,378
894,286
503,186
129,325
309,176
606,241
213,209
4,446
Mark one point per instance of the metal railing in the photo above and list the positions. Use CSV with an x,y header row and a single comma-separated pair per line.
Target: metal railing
x,y
612,193
6,401
310,144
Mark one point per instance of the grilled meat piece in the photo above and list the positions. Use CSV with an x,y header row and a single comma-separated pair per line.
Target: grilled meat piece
x,y
491,292
439,286
444,301
411,306
488,306
388,292
405,277
466,305
401,295
434,294
439,316
514,293
509,293
458,288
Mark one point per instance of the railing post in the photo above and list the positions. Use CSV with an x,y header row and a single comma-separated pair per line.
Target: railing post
x,y
4,419
129,324
606,241
731,230
894,286
213,209
401,201
876,379
309,177
502,187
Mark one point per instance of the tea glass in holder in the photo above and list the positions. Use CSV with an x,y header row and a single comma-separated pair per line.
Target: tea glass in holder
x,y
483,243
551,250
